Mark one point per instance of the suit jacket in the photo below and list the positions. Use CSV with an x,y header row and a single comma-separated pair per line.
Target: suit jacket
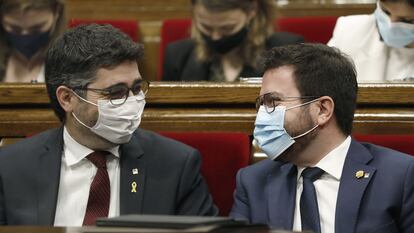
x,y
358,37
169,181
181,64
382,202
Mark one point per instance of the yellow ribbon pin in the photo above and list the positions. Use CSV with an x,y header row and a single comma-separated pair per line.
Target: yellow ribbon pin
x,y
134,187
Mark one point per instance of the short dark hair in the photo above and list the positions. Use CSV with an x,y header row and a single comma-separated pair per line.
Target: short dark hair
x,y
76,56
409,2
320,70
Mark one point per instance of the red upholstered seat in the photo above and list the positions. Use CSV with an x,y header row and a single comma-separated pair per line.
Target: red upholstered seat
x,y
223,154
129,27
403,143
172,30
313,29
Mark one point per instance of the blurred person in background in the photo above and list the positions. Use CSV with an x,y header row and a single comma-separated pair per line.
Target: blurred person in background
x,y
382,43
27,28
227,37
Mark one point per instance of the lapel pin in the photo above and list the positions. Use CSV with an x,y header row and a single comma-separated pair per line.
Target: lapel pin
x,y
135,171
366,175
359,174
134,187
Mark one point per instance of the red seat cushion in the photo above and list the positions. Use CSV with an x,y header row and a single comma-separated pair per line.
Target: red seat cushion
x,y
172,30
129,27
314,29
223,154
403,143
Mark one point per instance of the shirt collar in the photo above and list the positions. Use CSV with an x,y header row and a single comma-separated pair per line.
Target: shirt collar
x,y
74,152
334,161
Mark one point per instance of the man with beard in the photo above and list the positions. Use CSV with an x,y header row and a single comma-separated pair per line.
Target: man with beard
x,y
98,163
317,177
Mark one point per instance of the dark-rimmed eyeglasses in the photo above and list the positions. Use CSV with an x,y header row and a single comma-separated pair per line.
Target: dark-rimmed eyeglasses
x,y
119,93
271,100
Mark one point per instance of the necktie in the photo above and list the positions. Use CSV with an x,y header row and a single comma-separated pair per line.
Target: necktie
x,y
99,192
308,202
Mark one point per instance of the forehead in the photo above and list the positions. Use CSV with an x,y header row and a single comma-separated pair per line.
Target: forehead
x,y
27,18
126,72
280,80
400,9
205,16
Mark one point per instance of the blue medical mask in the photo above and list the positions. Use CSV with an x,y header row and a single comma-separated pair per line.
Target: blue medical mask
x,y
270,132
397,35
29,45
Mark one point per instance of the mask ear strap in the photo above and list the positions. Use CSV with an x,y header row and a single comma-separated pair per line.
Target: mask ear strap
x,y
303,134
85,100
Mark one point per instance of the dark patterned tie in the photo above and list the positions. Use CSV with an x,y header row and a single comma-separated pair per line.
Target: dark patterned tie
x,y
99,193
308,203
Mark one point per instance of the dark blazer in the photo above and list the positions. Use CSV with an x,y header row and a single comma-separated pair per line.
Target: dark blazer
x,y
383,202
181,64
168,182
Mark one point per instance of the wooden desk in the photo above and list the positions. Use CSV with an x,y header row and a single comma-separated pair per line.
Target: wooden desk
x,y
201,106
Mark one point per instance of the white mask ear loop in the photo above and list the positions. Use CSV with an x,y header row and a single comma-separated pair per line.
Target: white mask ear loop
x,y
303,134
85,100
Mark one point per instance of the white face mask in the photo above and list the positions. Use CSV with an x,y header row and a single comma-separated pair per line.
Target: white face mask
x,y
117,123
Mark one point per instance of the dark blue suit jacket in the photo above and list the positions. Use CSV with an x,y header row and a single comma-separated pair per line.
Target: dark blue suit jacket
x,y
169,181
383,202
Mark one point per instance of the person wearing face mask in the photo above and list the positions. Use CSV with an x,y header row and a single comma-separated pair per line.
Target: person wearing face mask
x,y
381,44
99,163
27,28
227,37
317,178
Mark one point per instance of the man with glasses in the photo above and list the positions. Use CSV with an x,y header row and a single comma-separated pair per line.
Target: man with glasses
x,y
98,163
317,178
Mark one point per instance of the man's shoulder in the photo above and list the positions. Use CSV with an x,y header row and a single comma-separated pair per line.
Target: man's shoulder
x,y
387,157
262,168
30,143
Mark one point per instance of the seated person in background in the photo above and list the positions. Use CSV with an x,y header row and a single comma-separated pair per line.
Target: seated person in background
x,y
98,163
26,30
227,37
381,44
317,177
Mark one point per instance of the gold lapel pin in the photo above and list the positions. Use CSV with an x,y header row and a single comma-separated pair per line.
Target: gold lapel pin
x,y
135,171
359,174
134,187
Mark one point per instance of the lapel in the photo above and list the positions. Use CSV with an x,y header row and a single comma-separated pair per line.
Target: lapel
x,y
48,176
352,189
131,153
281,195
193,70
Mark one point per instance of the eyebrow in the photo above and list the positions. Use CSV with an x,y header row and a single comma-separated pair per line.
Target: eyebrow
x,y
39,25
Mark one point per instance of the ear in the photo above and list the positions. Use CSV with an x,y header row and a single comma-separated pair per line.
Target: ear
x,y
66,98
325,109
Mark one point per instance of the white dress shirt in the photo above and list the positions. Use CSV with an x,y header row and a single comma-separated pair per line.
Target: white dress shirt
x,y
326,187
76,175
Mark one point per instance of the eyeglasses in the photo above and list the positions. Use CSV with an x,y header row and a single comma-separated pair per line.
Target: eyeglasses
x,y
270,100
119,93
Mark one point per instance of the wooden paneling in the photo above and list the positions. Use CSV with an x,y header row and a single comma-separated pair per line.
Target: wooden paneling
x,y
382,108
150,13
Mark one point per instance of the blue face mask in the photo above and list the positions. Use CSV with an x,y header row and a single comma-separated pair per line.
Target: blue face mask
x,y
28,45
270,132
397,35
